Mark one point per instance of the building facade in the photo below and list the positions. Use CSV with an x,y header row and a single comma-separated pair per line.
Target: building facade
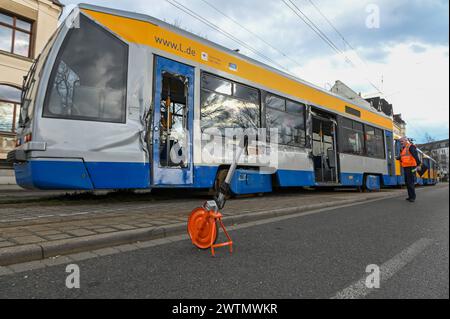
x,y
377,103
25,28
342,89
399,125
381,105
439,151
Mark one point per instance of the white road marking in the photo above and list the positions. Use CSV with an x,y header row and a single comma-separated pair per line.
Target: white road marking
x,y
359,290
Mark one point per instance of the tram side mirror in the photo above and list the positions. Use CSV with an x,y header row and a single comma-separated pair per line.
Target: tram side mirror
x,y
331,158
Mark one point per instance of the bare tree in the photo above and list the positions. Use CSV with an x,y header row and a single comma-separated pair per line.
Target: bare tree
x,y
65,82
429,138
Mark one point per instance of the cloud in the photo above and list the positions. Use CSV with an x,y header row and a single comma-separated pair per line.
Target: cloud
x,y
400,20
417,48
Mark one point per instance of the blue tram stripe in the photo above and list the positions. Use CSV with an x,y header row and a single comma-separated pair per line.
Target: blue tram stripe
x,y
82,176
79,175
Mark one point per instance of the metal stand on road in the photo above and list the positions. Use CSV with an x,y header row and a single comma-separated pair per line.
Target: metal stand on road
x,y
202,222
203,229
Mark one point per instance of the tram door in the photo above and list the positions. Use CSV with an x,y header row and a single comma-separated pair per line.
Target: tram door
x,y
324,150
390,153
172,123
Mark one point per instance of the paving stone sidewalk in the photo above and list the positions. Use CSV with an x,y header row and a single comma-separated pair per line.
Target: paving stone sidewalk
x,y
22,225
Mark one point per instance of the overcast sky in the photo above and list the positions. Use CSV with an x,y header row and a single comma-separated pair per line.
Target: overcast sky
x,y
406,56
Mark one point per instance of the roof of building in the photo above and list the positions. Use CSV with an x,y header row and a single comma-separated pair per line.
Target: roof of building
x,y
58,3
381,104
345,91
398,119
435,145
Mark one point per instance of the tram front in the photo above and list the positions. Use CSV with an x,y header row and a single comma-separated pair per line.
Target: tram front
x,y
74,132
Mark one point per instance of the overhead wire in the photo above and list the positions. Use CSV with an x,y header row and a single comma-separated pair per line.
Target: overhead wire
x,y
313,26
294,8
252,33
197,16
316,7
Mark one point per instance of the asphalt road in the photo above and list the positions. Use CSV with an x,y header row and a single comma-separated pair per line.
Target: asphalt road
x,y
321,255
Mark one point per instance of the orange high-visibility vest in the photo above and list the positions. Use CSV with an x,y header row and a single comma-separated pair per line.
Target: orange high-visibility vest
x,y
406,157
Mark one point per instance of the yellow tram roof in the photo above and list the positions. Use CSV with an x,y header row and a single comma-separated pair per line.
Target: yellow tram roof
x,y
145,30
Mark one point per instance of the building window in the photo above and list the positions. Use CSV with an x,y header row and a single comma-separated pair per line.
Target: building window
x,y
288,117
15,34
89,77
352,137
226,104
9,108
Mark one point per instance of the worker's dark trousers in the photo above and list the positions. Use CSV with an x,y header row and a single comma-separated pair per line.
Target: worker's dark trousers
x,y
410,181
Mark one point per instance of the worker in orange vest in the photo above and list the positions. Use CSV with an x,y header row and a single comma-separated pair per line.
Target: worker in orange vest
x,y
410,162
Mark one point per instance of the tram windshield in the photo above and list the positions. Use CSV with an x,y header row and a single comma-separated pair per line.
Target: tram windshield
x,y
89,78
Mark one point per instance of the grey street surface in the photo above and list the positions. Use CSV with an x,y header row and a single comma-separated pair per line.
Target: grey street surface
x,y
92,221
321,254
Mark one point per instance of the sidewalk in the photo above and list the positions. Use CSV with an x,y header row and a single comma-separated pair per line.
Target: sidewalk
x,y
13,194
29,232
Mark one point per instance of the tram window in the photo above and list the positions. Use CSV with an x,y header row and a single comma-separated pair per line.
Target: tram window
x,y
275,102
347,123
291,126
223,111
374,142
293,107
352,137
397,148
246,93
89,78
220,110
358,126
213,83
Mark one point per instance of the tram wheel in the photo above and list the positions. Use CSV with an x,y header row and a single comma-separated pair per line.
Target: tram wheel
x,y
202,228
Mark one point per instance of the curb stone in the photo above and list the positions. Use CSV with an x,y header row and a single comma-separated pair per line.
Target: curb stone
x,y
20,254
